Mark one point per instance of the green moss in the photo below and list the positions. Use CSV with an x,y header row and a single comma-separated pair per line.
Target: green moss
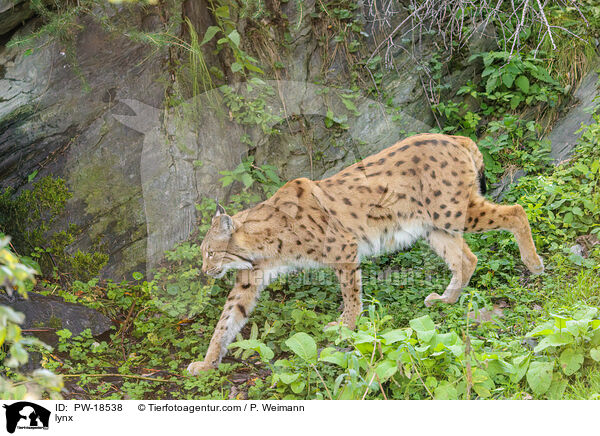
x,y
55,323
29,217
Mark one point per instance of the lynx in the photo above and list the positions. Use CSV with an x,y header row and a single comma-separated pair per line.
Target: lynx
x,y
427,186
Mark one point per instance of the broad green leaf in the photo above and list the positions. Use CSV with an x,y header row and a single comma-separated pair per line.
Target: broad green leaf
x,y
491,84
222,11
137,275
331,355
298,386
570,361
303,346
445,391
585,313
422,324
554,340
172,289
288,378
247,180
542,330
363,337
424,327
578,328
210,34
522,83
395,336
539,376
236,67
386,369
557,388
234,36
508,79
595,354
515,101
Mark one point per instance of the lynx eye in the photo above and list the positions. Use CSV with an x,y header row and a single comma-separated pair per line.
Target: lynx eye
x,y
211,254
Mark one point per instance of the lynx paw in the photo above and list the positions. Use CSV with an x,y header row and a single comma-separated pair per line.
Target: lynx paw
x,y
433,298
196,368
536,267
339,323
333,324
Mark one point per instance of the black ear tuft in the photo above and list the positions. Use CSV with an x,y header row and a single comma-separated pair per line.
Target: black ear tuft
x,y
219,210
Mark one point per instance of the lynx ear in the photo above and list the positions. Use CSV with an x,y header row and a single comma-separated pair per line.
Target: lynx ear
x,y
226,224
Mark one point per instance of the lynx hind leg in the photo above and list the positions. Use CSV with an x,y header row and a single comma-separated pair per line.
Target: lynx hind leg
x,y
240,302
484,215
460,260
349,276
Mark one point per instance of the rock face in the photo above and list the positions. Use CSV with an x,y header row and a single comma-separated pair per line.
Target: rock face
x,y
13,13
563,137
53,312
136,170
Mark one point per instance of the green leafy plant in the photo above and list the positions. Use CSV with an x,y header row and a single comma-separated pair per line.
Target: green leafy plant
x,y
16,276
511,80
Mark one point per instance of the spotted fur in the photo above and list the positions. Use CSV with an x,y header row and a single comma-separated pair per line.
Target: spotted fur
x,y
426,186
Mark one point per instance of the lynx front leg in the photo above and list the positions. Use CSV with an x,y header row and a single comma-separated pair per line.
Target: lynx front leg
x,y
240,302
459,258
349,277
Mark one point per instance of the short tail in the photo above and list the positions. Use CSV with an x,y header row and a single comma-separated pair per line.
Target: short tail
x,y
477,157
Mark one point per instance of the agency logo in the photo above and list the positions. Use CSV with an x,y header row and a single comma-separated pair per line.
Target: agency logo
x,y
26,415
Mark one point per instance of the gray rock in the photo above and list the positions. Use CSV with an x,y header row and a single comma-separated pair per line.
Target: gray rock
x,y
53,312
563,135
13,13
577,250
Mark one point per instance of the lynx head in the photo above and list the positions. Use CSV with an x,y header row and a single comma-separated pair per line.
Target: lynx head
x,y
218,248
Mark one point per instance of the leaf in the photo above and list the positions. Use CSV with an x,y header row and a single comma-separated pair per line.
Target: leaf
x,y
554,340
247,180
265,352
303,346
329,118
210,34
445,391
515,101
522,83
422,324
386,369
595,354
350,105
424,327
236,67
222,11
331,355
539,376
137,275
288,378
172,289
234,37
31,176
508,79
570,361
363,337
395,336
298,386
491,84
